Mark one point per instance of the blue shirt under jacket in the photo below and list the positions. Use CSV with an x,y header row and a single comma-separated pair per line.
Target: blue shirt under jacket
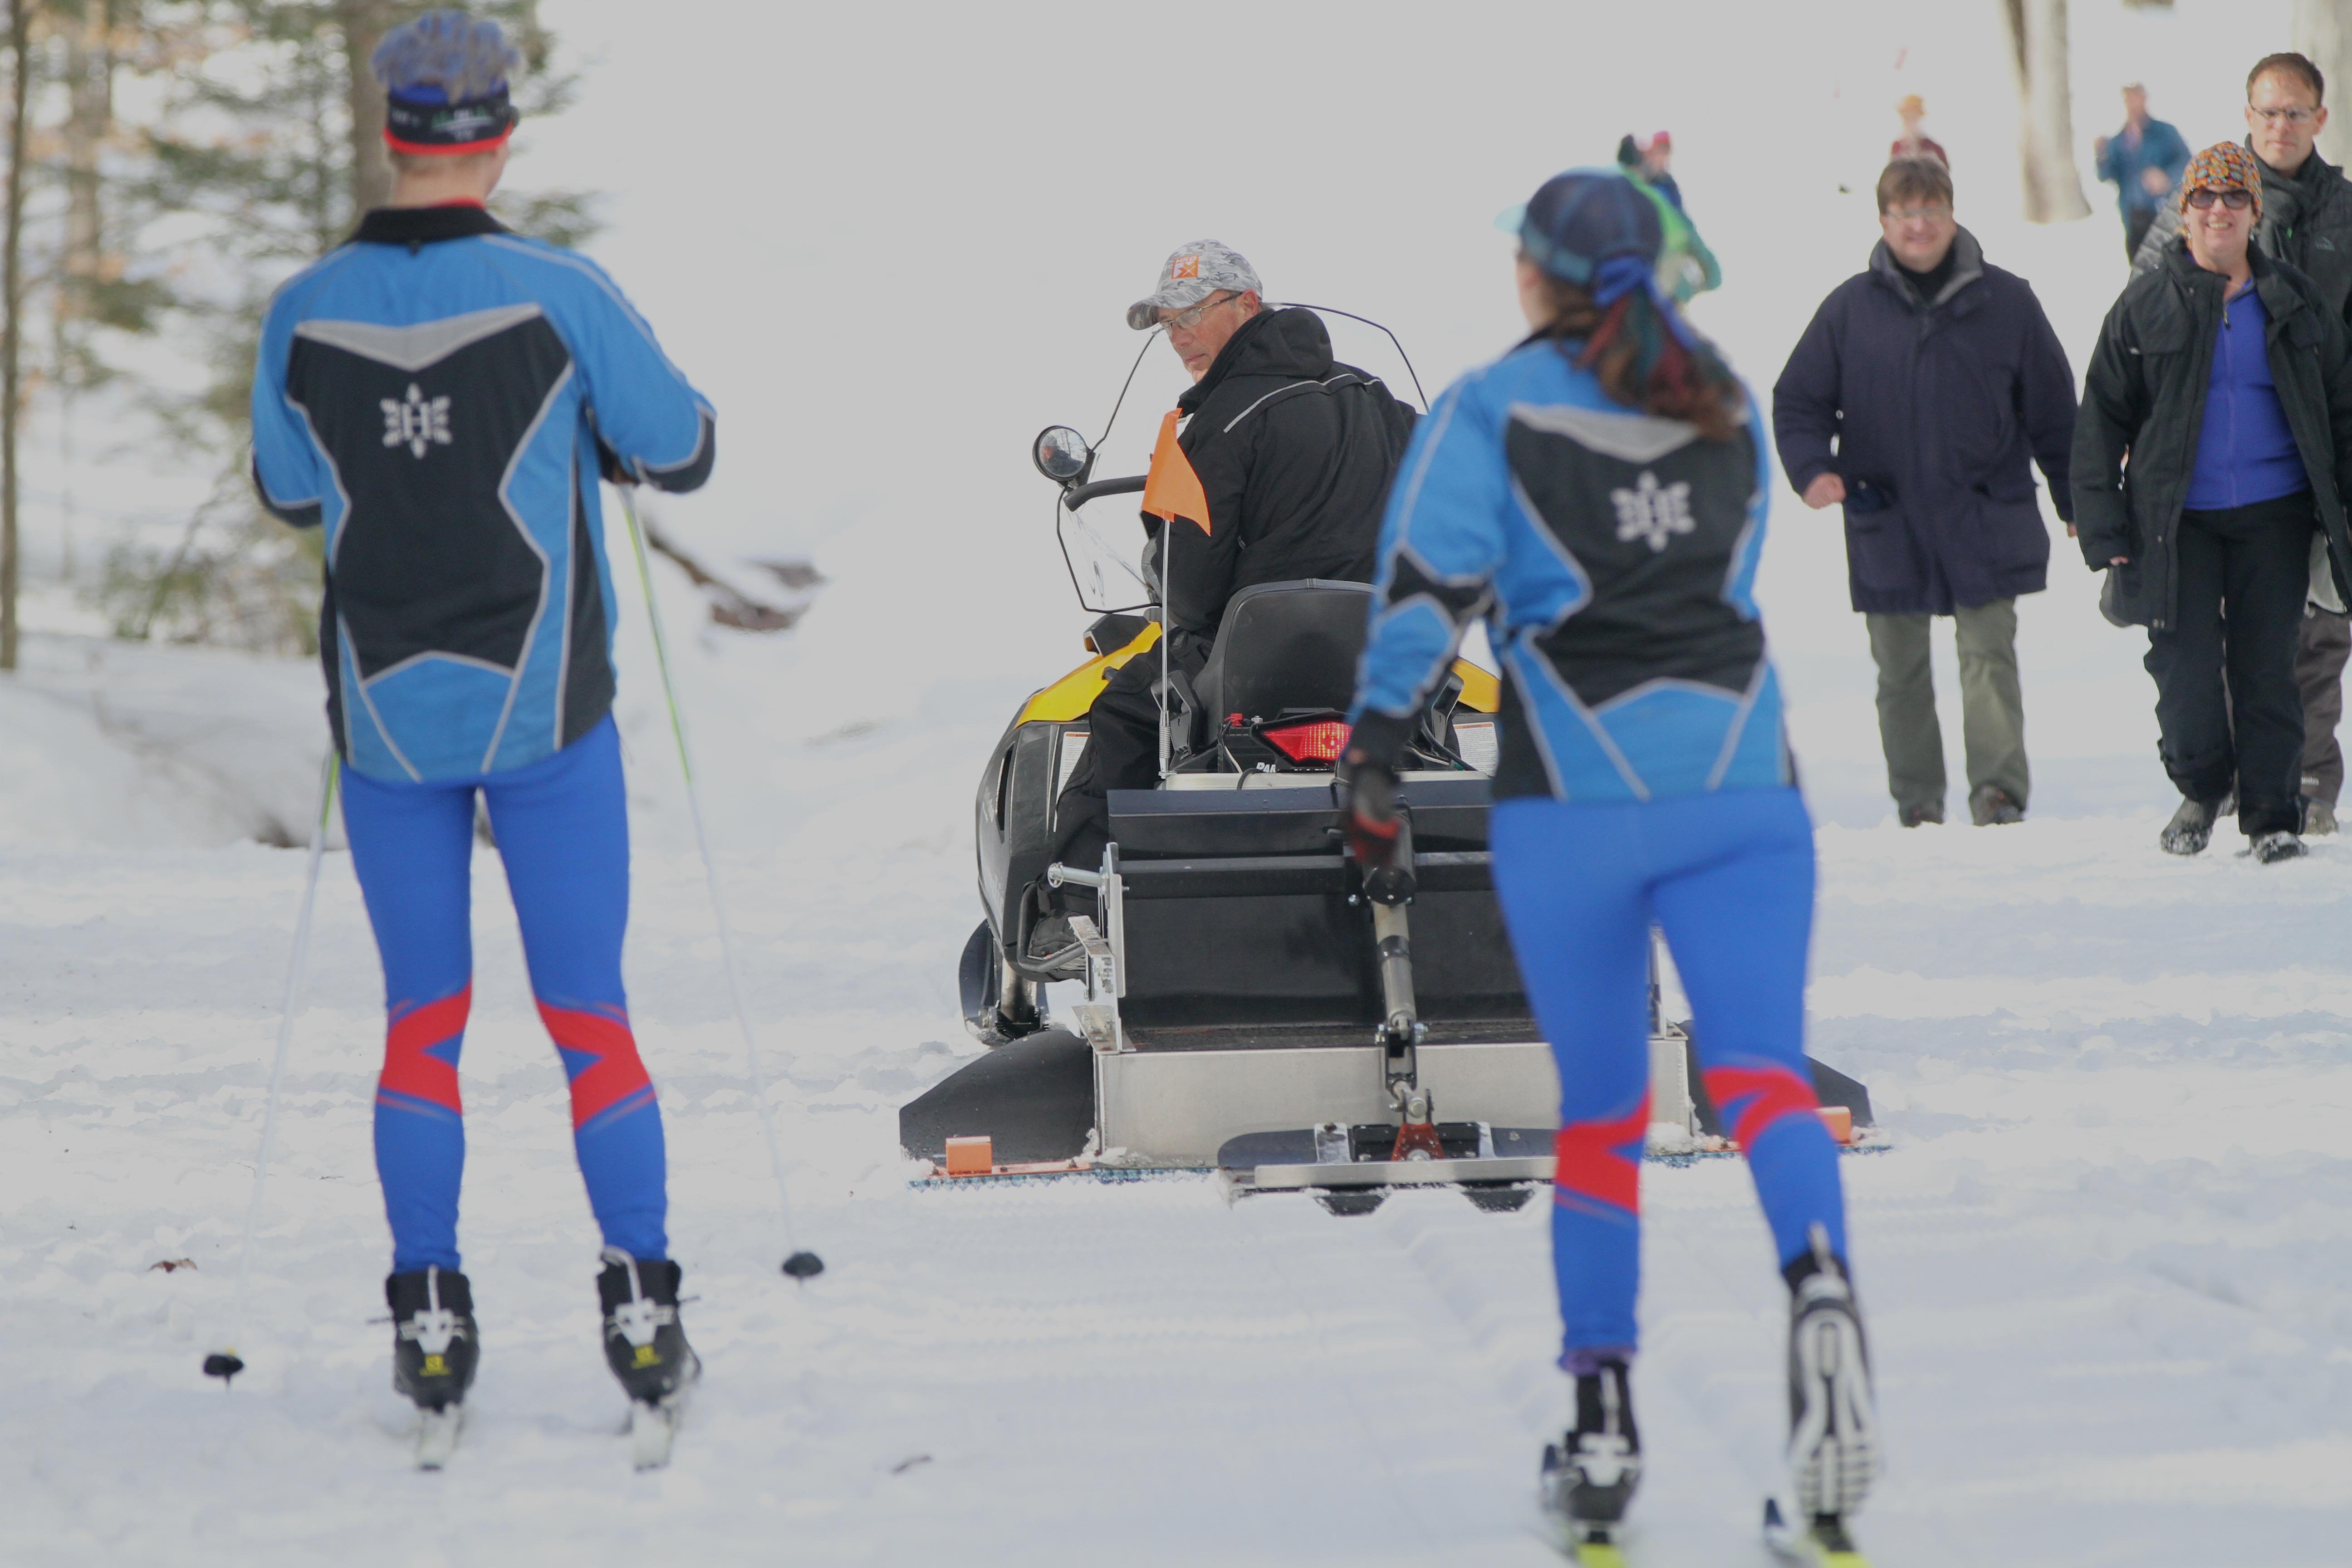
x,y
1613,555
2246,452
435,394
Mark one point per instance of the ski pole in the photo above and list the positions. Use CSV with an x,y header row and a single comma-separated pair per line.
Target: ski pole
x,y
798,1264
225,1362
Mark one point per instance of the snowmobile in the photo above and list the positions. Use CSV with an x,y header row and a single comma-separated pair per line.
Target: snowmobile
x,y
1239,999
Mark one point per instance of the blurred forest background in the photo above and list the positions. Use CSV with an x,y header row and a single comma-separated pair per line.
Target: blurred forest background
x,y
169,163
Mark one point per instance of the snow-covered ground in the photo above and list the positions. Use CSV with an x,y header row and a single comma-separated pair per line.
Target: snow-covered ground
x,y
2108,1259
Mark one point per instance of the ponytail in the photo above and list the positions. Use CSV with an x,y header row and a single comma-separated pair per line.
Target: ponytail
x,y
1642,361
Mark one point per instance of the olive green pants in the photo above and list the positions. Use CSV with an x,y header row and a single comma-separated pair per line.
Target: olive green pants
x,y
1992,710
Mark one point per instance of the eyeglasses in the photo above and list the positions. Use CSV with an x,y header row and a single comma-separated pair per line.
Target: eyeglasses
x,y
2298,118
1191,318
1919,215
2235,199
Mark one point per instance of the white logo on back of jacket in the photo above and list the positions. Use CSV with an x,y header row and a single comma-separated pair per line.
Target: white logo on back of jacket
x,y
421,421
1646,512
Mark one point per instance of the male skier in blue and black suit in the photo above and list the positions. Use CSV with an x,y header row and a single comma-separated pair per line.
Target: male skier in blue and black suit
x,y
439,396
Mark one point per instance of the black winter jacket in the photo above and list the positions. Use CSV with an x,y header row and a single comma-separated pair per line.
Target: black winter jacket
x,y
1940,404
2144,408
2306,223
1293,454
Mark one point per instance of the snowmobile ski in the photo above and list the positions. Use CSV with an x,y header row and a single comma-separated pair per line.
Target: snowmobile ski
x,y
1825,1544
437,1435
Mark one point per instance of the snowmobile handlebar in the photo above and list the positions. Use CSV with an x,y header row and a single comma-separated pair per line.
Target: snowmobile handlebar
x,y
1076,496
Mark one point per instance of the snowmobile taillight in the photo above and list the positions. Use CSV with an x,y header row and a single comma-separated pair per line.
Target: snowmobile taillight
x,y
1310,741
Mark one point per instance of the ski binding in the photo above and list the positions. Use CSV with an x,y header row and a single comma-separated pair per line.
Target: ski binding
x,y
653,1428
437,1435
1825,1544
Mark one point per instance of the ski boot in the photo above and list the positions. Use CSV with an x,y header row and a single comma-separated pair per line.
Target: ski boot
x,y
1833,1419
1589,1475
435,1349
645,1346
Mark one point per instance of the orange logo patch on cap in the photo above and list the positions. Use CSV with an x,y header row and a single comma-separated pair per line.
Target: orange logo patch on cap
x,y
1184,267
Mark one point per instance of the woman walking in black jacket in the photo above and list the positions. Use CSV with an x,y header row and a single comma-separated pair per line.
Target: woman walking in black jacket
x,y
2215,433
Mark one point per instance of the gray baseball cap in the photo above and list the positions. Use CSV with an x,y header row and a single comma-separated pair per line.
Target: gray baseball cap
x,y
1189,275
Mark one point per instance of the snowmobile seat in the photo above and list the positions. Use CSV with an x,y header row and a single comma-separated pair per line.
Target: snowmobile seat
x,y
1286,645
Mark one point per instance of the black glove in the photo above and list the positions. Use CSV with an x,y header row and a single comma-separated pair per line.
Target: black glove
x,y
608,465
1368,810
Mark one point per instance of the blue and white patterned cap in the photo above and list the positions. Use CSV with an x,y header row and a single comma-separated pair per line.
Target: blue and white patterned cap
x,y
1189,275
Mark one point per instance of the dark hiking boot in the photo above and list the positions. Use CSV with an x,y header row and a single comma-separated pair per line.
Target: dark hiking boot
x,y
435,1348
1993,806
1913,815
1832,1417
2270,849
643,1342
2190,829
1589,1475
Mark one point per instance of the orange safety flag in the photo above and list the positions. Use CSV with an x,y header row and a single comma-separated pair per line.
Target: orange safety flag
x,y
1172,490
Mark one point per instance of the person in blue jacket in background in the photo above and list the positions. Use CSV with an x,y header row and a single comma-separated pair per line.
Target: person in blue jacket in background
x,y
1597,497
2144,162
439,396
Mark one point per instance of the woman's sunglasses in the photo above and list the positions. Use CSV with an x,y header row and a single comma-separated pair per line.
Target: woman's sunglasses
x,y
2235,199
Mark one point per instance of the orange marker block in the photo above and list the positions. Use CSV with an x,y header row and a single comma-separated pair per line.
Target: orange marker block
x,y
1838,1117
970,1156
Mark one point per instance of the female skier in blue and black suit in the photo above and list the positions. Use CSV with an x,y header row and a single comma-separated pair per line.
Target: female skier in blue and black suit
x,y
1598,496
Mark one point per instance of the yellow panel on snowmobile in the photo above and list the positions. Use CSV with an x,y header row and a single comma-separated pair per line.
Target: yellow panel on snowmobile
x,y
1481,692
1070,697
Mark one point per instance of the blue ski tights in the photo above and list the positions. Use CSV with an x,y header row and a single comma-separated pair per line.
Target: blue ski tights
x,y
562,830
1729,877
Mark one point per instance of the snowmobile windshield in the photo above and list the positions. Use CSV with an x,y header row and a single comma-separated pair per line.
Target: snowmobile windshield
x,y
1108,579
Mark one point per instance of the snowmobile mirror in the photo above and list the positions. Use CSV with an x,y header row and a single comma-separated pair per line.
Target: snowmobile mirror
x,y
1062,454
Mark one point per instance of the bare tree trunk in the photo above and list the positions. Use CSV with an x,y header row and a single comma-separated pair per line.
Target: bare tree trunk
x,y
2046,134
364,23
90,60
89,118
12,313
2323,30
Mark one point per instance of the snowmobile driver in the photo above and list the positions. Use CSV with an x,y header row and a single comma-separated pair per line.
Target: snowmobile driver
x,y
437,394
1292,452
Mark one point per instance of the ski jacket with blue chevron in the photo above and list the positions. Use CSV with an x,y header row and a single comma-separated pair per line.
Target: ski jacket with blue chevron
x,y
434,395
1613,555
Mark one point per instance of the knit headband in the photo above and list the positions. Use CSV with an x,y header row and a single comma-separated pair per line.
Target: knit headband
x,y
445,80
2224,166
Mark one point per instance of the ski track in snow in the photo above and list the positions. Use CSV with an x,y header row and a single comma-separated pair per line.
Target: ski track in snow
x,y
2105,1260
2108,1262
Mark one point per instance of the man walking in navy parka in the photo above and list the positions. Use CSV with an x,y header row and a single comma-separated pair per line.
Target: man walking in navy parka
x,y
1917,397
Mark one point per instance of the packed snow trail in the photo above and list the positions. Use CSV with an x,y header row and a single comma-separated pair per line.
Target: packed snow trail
x,y
2103,1268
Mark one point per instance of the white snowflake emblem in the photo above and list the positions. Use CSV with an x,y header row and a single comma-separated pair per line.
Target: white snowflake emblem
x,y
1651,512
417,422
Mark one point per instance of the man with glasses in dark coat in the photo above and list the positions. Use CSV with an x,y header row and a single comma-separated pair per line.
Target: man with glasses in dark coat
x,y
1918,397
2306,222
